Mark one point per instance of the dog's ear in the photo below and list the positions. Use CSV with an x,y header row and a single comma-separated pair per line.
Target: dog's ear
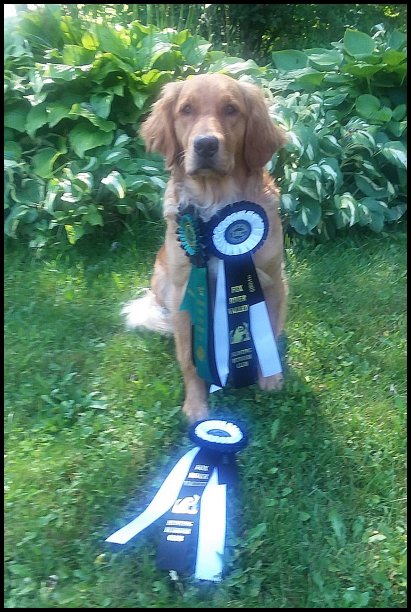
x,y
262,137
158,129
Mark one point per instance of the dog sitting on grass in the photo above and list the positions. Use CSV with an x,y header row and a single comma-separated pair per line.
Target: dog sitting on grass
x,y
216,136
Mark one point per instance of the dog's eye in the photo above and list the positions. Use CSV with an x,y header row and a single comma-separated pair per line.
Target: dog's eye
x,y
229,109
187,109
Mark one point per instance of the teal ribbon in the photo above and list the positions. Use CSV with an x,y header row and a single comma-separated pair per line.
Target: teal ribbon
x,y
196,301
196,298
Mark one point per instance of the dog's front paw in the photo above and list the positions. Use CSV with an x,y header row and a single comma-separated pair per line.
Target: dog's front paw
x,y
195,411
271,383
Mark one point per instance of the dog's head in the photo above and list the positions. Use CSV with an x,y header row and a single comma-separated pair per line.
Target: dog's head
x,y
212,124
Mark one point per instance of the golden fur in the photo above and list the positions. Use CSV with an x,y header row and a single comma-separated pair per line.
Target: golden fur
x,y
233,117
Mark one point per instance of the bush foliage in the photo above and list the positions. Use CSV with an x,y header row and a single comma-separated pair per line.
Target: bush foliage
x,y
345,111
252,31
76,91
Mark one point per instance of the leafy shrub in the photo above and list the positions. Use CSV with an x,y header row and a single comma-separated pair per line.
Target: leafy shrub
x,y
256,30
252,30
345,112
76,91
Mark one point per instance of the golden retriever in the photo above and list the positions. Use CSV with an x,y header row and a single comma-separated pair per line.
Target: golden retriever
x,y
216,136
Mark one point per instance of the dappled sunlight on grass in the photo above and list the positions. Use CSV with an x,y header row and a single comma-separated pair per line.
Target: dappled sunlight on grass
x,y
93,419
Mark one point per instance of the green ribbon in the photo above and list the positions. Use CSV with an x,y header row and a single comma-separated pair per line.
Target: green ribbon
x,y
197,303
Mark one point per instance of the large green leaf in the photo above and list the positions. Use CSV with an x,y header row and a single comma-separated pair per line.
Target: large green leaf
x,y
36,118
60,71
74,232
372,213
111,41
194,50
156,77
290,60
74,55
374,205
288,203
346,210
12,150
396,153
56,112
15,117
306,76
308,215
13,219
358,44
330,145
30,191
93,215
369,106
399,112
80,110
85,137
115,182
43,162
114,156
395,212
89,41
331,171
362,69
101,104
85,179
397,40
139,97
393,58
370,188
334,100
235,66
362,139
166,59
324,59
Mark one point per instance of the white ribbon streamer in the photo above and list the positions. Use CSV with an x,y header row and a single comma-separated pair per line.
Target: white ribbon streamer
x,y
161,503
221,334
261,331
264,341
212,529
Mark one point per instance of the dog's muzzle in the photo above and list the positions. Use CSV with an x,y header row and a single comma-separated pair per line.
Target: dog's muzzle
x,y
206,146
206,154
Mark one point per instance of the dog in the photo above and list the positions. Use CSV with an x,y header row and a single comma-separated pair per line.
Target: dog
x,y
216,136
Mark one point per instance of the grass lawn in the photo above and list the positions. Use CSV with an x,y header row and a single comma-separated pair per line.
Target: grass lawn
x,y
93,423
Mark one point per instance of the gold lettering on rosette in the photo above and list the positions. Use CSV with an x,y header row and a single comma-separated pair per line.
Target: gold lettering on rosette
x,y
236,309
237,289
237,298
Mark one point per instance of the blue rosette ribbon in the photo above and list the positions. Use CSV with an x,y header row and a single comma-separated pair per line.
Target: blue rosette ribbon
x,y
191,503
243,336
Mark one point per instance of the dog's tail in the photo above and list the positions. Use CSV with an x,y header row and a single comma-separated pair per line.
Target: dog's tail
x,y
147,313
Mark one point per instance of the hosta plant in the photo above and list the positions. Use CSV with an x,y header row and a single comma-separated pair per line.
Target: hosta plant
x,y
76,92
344,109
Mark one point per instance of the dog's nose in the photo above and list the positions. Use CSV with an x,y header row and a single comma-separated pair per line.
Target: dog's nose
x,y
205,146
